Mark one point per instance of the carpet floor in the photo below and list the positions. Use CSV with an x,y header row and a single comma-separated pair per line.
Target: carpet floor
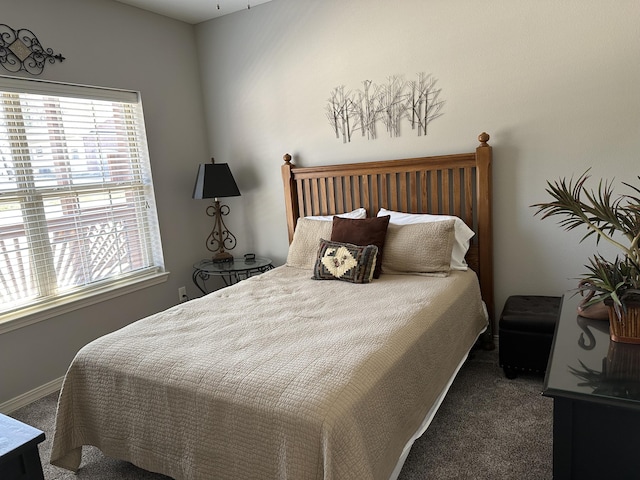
x,y
488,427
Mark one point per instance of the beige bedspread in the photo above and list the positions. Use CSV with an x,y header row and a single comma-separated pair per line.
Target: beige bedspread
x,y
276,377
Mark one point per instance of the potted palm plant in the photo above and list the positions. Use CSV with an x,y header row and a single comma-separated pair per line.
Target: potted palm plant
x,y
617,220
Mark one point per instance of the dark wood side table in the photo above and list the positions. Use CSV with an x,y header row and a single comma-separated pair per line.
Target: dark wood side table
x,y
595,386
19,456
230,272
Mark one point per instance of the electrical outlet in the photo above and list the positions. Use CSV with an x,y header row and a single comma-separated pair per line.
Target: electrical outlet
x,y
182,294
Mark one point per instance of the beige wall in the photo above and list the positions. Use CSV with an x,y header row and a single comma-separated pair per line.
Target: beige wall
x,y
554,83
109,44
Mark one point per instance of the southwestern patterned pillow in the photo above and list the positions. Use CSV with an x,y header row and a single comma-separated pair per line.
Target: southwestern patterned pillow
x,y
344,261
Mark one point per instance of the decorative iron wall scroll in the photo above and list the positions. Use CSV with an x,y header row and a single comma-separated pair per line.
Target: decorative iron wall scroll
x,y
416,101
21,50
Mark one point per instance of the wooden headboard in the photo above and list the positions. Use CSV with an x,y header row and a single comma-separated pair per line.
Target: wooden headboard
x,y
457,184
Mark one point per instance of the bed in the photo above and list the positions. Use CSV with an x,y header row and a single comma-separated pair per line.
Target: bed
x,y
286,375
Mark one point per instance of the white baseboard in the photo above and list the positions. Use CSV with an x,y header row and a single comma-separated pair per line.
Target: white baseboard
x,y
31,396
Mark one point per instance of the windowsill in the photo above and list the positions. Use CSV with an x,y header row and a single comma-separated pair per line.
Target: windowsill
x,y
30,315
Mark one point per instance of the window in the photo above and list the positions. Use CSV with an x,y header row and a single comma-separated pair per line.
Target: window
x,y
77,210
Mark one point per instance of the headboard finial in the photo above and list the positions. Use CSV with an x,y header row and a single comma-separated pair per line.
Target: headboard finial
x,y
287,158
483,138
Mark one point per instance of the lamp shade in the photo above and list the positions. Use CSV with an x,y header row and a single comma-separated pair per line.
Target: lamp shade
x,y
215,180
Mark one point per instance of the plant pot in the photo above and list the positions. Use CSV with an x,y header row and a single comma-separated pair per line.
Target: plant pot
x,y
625,329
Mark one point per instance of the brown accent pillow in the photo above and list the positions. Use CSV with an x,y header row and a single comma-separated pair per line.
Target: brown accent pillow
x,y
362,231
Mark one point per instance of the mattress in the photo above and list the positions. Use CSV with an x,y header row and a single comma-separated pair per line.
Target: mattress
x,y
278,376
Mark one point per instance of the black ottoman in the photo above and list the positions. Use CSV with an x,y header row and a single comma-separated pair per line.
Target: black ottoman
x,y
525,333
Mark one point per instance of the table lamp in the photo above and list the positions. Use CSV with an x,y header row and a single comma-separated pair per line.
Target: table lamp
x,y
215,181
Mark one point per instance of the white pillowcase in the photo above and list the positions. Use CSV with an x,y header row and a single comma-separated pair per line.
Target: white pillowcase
x,y
463,233
357,213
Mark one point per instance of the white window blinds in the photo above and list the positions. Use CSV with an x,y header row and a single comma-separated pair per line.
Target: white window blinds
x,y
77,209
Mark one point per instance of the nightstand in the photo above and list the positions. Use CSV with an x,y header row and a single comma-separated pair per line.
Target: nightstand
x,y
230,272
595,386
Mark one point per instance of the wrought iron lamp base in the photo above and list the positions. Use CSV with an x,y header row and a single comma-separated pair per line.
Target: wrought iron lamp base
x,y
220,239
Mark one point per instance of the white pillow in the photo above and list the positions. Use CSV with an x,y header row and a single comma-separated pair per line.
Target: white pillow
x,y
357,213
463,233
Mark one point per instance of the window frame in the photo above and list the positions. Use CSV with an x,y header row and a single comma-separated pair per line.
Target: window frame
x,y
42,308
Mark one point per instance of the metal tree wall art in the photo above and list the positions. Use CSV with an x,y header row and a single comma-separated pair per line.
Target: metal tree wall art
x,y
21,50
417,101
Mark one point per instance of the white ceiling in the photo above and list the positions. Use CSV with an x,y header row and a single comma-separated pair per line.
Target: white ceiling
x,y
193,11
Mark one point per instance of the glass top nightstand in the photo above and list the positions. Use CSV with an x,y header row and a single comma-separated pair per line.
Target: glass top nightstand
x,y
595,386
230,272
585,364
